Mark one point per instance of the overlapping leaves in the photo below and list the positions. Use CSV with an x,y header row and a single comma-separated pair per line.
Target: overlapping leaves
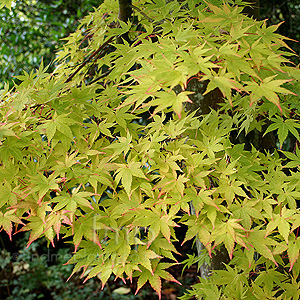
x,y
103,150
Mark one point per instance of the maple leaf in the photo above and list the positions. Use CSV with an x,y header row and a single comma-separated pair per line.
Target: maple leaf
x,y
154,278
7,219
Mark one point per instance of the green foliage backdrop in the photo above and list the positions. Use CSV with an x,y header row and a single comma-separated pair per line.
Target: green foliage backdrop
x,y
103,150
26,31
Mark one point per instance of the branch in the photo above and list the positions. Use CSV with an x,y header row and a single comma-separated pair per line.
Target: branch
x,y
89,59
125,13
142,13
100,77
205,271
125,10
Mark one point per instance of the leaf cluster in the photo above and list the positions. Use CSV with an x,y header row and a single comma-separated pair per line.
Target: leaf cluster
x,y
103,150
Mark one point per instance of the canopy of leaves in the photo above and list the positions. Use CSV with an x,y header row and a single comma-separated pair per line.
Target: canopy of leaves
x,y
103,151
286,12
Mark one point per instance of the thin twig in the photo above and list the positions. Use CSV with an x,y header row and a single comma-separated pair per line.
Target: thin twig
x,y
89,59
109,291
142,13
204,269
94,293
100,77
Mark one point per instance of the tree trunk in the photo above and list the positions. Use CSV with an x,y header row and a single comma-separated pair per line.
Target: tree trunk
x,y
125,14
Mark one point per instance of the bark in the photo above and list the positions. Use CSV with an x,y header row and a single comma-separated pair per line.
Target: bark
x,y
125,14
125,10
205,269
202,103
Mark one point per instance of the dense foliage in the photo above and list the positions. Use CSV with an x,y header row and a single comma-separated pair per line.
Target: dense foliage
x,y
25,29
103,151
286,12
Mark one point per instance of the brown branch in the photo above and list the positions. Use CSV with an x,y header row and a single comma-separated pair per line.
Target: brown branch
x,y
142,13
125,14
89,59
86,37
100,77
125,10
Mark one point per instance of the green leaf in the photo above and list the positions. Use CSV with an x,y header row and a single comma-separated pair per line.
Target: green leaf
x,y
6,221
43,185
294,159
37,228
155,282
6,3
261,243
293,251
268,88
144,257
283,127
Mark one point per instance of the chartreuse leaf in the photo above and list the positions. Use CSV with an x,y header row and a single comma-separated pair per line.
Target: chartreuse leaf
x,y
103,128
225,83
209,291
37,228
296,221
11,149
230,189
7,195
102,271
6,221
65,201
293,250
6,3
144,257
268,35
6,130
55,219
260,243
268,88
170,99
85,227
282,223
81,198
125,173
292,290
247,212
164,248
283,128
294,158
228,233
43,184
155,278
155,282
269,279
113,158
123,146
58,123
90,254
